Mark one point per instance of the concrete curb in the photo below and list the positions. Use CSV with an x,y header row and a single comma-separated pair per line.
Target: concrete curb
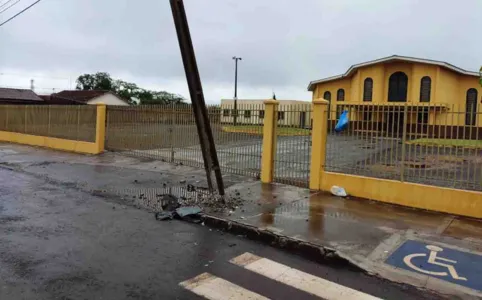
x,y
300,247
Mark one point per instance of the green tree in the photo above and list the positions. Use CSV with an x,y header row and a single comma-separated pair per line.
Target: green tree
x,y
97,81
126,90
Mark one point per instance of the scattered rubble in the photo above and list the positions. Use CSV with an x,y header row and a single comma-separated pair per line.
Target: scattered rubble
x,y
164,215
189,213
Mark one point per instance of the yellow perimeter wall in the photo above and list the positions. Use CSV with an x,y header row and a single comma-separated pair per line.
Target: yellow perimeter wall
x,y
459,202
49,142
63,144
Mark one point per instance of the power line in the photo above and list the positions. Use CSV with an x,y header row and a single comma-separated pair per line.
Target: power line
x,y
19,13
27,88
34,76
4,4
10,6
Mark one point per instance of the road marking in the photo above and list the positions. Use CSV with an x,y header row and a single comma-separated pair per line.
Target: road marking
x,y
215,288
441,262
303,281
432,259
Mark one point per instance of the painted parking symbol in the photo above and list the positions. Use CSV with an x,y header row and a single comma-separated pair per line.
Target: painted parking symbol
x,y
451,265
433,259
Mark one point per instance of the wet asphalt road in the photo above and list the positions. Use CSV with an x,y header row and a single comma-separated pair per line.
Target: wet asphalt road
x,y
62,243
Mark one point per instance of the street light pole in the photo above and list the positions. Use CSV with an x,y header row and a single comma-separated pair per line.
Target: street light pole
x,y
235,116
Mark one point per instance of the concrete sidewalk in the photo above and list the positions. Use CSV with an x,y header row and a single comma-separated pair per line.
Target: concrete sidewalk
x,y
364,232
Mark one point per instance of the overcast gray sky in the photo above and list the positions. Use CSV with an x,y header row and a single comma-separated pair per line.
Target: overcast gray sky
x,y
284,43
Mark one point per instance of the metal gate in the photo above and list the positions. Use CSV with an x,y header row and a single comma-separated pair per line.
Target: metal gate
x,y
293,148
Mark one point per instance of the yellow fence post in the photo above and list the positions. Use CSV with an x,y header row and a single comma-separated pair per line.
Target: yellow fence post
x,y
269,140
100,127
319,133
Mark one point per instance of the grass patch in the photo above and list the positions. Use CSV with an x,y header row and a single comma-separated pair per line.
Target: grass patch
x,y
254,129
447,143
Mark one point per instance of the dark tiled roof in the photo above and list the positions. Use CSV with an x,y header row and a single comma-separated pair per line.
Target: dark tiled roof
x,y
18,95
79,96
54,100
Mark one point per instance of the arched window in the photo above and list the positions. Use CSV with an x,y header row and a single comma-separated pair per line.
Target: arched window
x,y
471,107
397,87
340,95
425,89
368,90
327,96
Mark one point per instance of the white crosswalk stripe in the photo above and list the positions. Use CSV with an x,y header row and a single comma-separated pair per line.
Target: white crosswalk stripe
x,y
215,288
303,281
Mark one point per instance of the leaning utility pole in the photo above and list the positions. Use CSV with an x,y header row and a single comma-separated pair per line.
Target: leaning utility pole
x,y
201,116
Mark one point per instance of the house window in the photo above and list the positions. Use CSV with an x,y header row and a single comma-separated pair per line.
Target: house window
x,y
327,96
226,112
340,95
471,107
247,114
281,115
397,87
261,114
368,90
425,89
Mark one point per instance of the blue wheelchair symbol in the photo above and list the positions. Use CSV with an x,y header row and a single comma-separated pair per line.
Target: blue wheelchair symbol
x,y
434,259
459,267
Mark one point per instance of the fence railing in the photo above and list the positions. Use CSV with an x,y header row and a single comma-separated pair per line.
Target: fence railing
x,y
76,123
169,132
432,144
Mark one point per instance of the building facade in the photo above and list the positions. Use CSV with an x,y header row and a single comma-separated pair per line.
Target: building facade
x,y
294,113
430,92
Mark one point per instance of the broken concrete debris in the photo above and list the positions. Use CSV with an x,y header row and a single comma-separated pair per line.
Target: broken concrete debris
x,y
190,212
164,215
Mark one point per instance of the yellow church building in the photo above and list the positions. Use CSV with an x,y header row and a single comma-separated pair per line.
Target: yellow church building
x,y
439,97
